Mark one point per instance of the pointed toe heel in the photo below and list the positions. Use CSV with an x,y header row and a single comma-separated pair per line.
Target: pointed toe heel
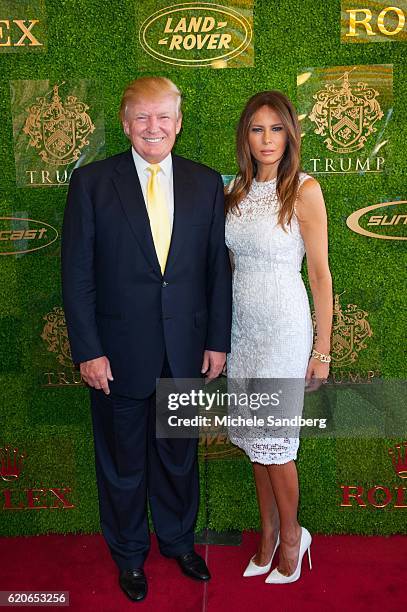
x,y
305,546
257,570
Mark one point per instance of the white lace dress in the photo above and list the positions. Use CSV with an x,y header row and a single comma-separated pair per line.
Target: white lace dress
x,y
271,325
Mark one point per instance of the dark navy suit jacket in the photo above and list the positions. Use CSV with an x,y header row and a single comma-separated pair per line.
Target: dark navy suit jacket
x,y
117,302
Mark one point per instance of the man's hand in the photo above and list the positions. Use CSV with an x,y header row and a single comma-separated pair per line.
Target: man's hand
x,y
96,373
212,364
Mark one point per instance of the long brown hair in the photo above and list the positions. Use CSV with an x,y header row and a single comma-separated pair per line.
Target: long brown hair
x,y
289,166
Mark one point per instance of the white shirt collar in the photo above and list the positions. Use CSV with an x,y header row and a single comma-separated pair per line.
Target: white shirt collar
x,y
142,165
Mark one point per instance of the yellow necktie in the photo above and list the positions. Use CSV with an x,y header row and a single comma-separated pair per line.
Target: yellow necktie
x,y
158,215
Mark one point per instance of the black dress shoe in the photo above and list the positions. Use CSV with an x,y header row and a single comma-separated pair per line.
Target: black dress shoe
x,y
133,583
193,566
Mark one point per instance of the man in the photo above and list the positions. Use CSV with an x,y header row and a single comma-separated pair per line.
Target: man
x,y
147,293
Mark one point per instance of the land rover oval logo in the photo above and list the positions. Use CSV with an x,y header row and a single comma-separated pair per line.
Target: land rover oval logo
x,y
18,236
387,224
196,34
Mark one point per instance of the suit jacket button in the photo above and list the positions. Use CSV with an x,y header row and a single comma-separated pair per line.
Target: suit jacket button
x,y
164,284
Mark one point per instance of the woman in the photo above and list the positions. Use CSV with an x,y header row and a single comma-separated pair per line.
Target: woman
x,y
275,214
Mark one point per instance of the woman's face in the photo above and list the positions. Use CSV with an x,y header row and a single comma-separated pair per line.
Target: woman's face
x,y
267,138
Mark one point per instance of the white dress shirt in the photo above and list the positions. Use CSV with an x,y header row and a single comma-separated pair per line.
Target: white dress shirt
x,y
164,177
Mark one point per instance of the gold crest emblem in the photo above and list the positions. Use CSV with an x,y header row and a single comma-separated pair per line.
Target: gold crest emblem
x,y
55,335
58,130
346,115
349,333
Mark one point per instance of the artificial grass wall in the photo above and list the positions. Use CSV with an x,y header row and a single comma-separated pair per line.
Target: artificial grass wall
x,y
92,39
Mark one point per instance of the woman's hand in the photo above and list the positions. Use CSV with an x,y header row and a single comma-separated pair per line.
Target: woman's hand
x,y
317,374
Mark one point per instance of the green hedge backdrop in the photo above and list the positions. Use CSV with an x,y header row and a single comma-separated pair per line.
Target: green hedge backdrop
x,y
94,39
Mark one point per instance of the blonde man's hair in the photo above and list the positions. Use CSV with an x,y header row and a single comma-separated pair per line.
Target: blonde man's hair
x,y
149,87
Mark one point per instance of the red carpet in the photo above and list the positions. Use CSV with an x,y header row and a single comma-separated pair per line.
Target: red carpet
x,y
349,572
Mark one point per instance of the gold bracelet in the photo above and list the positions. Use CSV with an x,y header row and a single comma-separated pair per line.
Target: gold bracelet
x,y
321,356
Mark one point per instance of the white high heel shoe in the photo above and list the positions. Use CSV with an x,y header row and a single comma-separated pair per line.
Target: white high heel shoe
x,y
305,545
257,570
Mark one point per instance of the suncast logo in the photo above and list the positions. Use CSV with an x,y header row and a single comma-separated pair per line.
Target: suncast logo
x,y
388,224
18,236
196,34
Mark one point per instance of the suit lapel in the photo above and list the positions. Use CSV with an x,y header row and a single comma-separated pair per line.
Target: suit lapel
x,y
183,209
132,200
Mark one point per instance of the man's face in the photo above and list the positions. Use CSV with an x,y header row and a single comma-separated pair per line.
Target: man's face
x,y
152,125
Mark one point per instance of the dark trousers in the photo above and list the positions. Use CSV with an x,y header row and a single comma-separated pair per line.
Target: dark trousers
x,y
133,465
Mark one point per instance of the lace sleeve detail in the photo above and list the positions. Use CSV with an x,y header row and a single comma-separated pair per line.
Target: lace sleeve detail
x,y
303,177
